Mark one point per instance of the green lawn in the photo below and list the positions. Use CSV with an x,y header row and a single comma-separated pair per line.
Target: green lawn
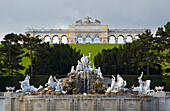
x,y
94,49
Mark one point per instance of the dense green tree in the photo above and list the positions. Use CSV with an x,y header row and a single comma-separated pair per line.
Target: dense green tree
x,y
162,42
11,53
55,59
132,58
144,51
30,43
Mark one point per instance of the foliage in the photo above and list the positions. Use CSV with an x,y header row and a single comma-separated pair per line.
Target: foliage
x,y
30,43
144,54
163,45
11,55
56,59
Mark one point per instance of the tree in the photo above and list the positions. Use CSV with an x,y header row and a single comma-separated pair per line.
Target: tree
x,y
30,43
55,59
147,53
162,42
12,54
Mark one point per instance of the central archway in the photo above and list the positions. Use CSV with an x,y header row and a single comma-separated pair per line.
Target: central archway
x,y
96,39
79,39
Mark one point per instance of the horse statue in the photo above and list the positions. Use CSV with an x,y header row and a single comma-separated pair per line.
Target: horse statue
x,y
144,87
51,82
25,86
112,88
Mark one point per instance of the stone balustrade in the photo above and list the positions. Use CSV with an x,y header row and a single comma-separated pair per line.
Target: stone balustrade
x,y
15,102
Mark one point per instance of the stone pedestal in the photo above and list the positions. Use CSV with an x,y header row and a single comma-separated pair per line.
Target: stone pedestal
x,y
8,101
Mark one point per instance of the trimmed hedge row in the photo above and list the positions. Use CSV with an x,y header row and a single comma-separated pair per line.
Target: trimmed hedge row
x,y
42,79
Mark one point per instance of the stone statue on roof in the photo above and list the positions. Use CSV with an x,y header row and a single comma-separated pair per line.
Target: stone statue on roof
x,y
97,21
79,21
88,19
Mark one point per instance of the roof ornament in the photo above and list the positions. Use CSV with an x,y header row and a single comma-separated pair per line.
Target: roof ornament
x,y
79,21
97,21
88,19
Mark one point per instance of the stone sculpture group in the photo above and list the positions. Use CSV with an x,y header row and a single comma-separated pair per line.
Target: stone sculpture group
x,y
86,80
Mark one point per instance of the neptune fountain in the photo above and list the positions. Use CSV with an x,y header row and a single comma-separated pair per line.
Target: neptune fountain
x,y
85,89
86,80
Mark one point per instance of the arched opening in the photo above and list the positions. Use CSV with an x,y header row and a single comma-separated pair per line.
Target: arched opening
x,y
40,37
88,39
112,39
104,42
64,39
96,39
79,39
55,39
129,39
47,38
120,39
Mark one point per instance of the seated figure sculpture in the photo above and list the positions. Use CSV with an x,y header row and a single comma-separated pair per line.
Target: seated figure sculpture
x,y
25,86
116,86
120,82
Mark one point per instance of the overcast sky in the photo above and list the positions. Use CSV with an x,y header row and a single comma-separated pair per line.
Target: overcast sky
x,y
17,15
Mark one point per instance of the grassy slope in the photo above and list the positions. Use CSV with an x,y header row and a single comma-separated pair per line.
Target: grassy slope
x,y
94,49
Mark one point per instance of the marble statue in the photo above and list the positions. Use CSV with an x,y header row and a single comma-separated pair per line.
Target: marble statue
x,y
112,87
99,73
116,86
144,87
51,82
120,82
72,69
59,87
56,85
84,63
25,86
79,66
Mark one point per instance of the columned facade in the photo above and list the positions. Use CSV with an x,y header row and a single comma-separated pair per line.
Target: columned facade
x,y
86,32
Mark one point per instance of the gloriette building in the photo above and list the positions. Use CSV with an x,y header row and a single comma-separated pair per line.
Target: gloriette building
x,y
85,32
